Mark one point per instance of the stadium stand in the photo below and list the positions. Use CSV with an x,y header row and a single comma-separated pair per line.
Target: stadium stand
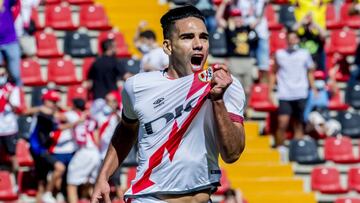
x,y
62,71
327,180
46,43
354,179
31,73
59,17
340,150
7,192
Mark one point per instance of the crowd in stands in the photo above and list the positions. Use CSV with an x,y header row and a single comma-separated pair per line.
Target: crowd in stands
x,y
69,141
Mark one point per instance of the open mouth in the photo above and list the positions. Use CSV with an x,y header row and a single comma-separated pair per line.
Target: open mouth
x,y
196,60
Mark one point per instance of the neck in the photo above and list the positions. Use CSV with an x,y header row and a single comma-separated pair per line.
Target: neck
x,y
178,71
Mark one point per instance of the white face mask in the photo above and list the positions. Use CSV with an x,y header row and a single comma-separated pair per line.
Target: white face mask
x,y
320,84
294,47
3,80
144,48
107,110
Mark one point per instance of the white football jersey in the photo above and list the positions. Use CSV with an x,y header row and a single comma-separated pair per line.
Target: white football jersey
x,y
177,134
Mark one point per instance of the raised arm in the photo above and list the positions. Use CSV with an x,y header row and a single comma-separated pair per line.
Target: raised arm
x,y
231,134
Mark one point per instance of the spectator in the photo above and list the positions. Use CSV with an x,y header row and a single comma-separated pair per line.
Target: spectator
x,y
83,167
40,142
316,113
355,8
293,71
317,9
9,107
207,8
105,72
354,75
240,40
107,120
154,57
9,46
253,14
312,38
25,27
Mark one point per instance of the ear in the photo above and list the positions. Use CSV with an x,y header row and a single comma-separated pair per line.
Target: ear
x,y
167,47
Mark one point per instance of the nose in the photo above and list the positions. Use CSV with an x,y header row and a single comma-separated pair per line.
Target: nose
x,y
197,44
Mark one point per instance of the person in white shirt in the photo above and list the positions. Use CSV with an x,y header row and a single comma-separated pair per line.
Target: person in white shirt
x,y
181,118
293,72
154,57
10,104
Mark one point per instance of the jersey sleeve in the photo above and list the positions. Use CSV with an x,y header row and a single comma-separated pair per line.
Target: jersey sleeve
x,y
234,99
128,100
14,98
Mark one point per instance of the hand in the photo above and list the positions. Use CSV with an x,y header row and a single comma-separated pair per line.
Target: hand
x,y
142,24
101,191
220,82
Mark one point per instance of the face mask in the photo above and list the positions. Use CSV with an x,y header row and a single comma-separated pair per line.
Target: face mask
x,y
320,84
3,80
144,48
107,110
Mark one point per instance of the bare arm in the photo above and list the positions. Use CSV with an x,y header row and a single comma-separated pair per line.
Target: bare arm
x,y
220,14
231,135
123,139
272,77
141,26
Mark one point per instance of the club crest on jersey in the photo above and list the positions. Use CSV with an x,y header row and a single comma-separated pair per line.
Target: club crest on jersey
x,y
206,75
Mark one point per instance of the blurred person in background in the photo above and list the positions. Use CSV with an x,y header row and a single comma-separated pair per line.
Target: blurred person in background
x,y
293,72
314,8
233,196
312,37
207,8
154,57
355,8
241,39
9,46
83,167
253,14
105,72
10,106
107,120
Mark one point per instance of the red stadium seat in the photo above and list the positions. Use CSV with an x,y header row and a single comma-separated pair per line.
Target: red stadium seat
x,y
336,103
280,1
224,182
326,180
343,72
354,179
6,187
273,22
59,17
27,183
78,2
94,17
352,21
62,72
31,73
131,174
76,91
339,150
277,41
121,46
331,21
87,62
46,44
35,17
259,98
343,41
23,155
347,200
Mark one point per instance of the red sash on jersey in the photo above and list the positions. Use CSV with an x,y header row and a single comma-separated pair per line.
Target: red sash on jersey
x,y
175,136
105,125
55,137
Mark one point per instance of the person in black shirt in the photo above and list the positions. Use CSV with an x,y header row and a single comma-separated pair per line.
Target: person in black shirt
x,y
106,71
241,39
312,38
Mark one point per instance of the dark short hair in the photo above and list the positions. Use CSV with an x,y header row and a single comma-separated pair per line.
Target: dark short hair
x,y
168,19
79,103
148,34
106,44
291,31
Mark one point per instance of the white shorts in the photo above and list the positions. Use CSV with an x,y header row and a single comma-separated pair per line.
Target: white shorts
x,y
84,167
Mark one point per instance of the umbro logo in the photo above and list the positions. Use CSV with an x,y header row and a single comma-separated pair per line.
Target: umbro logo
x,y
159,102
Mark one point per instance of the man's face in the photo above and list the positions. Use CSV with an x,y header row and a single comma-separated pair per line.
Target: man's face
x,y
189,43
293,39
112,102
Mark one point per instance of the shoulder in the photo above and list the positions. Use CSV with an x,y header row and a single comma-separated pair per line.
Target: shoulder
x,y
235,89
